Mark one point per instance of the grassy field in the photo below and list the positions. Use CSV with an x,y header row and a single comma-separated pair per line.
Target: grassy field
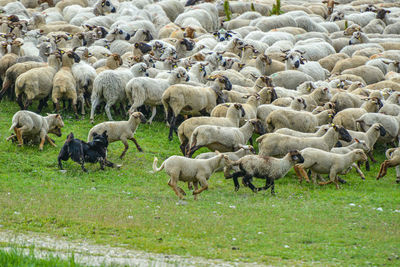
x,y
134,208
16,257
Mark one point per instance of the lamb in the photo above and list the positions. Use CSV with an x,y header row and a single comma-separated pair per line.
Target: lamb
x,y
120,130
347,118
37,83
233,156
250,108
344,100
370,74
319,96
148,91
273,144
113,62
295,61
12,74
110,86
195,99
10,59
64,84
324,162
290,79
358,144
320,132
330,61
190,170
223,139
297,120
393,159
27,123
232,119
390,123
348,63
264,167
391,106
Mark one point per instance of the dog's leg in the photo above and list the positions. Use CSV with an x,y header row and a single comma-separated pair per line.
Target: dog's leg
x,y
82,162
136,144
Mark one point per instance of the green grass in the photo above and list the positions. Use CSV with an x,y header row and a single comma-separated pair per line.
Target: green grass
x,y
136,209
16,257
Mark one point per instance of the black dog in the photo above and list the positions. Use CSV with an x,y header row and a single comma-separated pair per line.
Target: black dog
x,y
81,152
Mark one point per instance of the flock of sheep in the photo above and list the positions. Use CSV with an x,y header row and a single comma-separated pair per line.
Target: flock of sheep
x,y
320,83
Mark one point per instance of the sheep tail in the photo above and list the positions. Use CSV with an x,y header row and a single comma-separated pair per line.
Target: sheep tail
x,y
155,169
14,124
389,152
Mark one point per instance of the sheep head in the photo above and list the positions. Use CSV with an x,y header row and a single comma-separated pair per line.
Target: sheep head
x,y
343,133
381,13
257,126
296,157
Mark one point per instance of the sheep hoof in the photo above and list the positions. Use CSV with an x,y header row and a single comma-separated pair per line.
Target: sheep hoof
x,y
149,122
398,180
92,121
118,166
237,188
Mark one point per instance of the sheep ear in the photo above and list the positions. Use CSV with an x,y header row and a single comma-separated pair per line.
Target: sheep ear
x,y
355,139
217,152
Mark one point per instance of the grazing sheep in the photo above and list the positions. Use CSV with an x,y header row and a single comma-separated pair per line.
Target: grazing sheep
x,y
120,130
273,144
148,91
393,159
233,115
324,162
193,100
27,123
37,83
302,121
320,132
264,167
190,170
64,84
223,138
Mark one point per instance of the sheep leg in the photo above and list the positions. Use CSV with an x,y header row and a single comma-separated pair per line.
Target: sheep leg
x,y
247,182
204,186
190,185
136,144
108,112
302,172
27,104
385,165
173,183
183,148
251,141
371,156
153,114
235,177
82,162
196,187
359,171
19,136
19,101
171,127
181,191
42,139
95,103
57,106
41,105
367,167
397,174
50,141
268,184
125,142
75,111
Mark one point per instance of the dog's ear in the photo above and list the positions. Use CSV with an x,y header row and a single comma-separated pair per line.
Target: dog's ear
x,y
70,137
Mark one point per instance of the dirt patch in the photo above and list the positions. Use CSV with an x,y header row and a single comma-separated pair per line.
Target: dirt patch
x,y
97,255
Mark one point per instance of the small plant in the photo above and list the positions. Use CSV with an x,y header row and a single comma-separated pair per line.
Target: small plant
x,y
252,7
346,24
228,12
276,8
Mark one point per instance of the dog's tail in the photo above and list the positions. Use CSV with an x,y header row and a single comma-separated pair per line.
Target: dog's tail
x,y
155,169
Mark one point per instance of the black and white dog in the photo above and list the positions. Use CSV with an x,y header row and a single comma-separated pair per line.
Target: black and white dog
x,y
81,152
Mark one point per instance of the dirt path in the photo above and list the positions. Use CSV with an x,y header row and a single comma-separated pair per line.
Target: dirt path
x,y
96,255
